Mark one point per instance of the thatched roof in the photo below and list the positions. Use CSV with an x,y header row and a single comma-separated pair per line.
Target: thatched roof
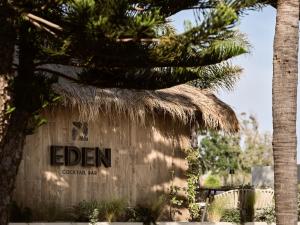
x,y
183,103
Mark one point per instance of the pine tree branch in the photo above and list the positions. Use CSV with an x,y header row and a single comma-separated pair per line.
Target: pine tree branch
x,y
138,40
56,73
222,75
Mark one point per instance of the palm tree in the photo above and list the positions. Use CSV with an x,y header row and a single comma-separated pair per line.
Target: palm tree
x,y
285,78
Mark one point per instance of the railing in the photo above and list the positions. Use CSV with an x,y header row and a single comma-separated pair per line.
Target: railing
x,y
236,198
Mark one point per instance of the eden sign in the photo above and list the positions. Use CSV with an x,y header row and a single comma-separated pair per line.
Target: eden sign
x,y
72,156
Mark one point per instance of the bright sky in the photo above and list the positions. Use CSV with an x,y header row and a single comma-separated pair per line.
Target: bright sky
x,y
253,93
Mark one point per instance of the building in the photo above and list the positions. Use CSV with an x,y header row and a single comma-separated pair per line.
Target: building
x,y
101,144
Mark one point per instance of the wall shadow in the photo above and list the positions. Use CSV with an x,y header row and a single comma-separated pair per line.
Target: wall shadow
x,y
146,160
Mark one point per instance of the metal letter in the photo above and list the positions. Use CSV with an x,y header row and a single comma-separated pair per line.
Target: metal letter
x,y
86,157
103,157
55,157
69,151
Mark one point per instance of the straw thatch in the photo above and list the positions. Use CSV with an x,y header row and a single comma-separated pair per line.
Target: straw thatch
x,y
183,103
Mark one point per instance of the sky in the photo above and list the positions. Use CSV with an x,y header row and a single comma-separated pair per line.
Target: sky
x,y
253,92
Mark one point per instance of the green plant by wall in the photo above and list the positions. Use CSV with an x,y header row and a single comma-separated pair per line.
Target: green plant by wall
x,y
175,201
113,209
83,210
193,175
149,213
93,218
94,211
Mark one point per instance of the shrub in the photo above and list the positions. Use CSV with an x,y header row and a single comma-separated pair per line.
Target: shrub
x,y
212,181
83,210
175,201
149,213
266,215
94,211
112,210
216,210
193,174
231,215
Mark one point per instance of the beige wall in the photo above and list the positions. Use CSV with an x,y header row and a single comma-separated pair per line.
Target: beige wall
x,y
142,160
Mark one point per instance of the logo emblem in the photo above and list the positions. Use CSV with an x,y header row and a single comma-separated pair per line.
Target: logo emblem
x,y
80,131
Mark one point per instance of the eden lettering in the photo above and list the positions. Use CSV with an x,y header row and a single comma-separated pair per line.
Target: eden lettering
x,y
71,156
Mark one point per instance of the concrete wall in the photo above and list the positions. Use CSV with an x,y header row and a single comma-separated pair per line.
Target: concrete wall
x,y
264,176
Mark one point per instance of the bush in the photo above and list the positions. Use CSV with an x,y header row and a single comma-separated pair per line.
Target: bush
x,y
94,211
212,181
266,215
231,215
112,210
149,213
83,210
216,210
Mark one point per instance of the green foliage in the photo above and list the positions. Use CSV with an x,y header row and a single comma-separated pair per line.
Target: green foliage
x,y
266,215
216,210
94,211
174,196
93,217
9,109
193,175
175,201
221,75
257,147
212,181
231,215
119,43
149,213
139,41
111,210
219,152
83,211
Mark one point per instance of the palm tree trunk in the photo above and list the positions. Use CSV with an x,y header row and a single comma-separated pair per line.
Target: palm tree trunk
x,y
285,78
